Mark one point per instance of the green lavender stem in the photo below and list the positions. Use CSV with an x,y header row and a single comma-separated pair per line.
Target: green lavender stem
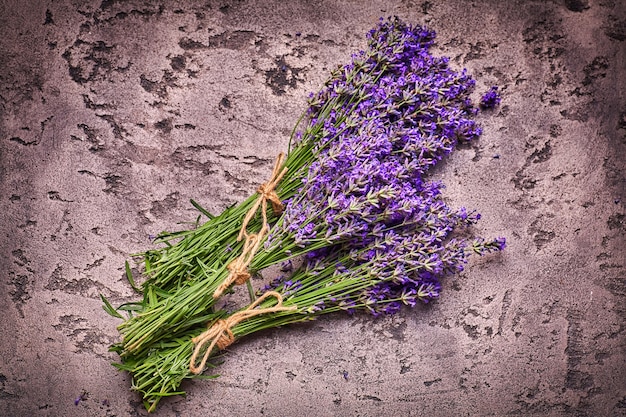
x,y
160,372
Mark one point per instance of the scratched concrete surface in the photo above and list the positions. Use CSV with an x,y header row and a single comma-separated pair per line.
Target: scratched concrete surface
x,y
114,114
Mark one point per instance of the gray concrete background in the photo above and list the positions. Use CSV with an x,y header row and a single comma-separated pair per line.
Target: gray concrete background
x,y
114,114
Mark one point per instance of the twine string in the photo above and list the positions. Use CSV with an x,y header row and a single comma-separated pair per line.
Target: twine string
x,y
238,268
220,334
267,191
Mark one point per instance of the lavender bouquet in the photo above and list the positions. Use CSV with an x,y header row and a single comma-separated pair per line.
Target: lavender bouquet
x,y
372,232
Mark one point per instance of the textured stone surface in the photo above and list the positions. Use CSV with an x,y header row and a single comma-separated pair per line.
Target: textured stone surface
x,y
114,114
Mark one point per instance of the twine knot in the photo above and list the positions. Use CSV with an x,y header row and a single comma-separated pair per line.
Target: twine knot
x,y
220,333
239,271
238,268
268,192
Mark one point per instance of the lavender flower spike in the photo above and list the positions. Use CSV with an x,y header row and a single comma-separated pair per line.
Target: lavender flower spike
x,y
490,99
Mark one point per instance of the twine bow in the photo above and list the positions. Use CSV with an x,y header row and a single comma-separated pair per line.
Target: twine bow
x,y
238,268
220,334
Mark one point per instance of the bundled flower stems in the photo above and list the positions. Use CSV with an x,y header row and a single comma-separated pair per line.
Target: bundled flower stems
x,y
349,214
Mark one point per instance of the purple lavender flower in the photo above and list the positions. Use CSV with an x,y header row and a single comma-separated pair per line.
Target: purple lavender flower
x,y
81,397
366,211
490,99
499,243
286,266
482,246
